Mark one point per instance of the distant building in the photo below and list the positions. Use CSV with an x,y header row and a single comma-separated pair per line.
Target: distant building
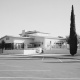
x,y
30,40
16,45
13,42
45,40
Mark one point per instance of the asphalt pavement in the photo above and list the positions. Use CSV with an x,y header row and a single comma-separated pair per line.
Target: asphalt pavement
x,y
50,66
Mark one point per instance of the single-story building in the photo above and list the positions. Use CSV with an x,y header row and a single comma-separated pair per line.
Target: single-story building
x,y
46,40
17,45
28,42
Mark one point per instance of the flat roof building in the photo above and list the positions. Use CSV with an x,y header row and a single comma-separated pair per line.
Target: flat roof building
x,y
31,40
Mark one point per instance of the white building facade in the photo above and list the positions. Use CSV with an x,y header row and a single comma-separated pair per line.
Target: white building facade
x,y
29,41
45,40
17,45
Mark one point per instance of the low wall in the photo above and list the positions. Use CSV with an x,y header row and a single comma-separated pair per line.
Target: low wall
x,y
13,52
57,51
24,52
28,52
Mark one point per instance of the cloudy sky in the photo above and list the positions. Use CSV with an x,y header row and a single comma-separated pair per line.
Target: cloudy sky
x,y
51,16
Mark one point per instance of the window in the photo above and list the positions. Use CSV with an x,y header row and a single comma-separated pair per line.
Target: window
x,y
7,38
34,45
19,46
11,46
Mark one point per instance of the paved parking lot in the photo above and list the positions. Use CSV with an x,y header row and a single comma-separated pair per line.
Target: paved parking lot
x,y
39,67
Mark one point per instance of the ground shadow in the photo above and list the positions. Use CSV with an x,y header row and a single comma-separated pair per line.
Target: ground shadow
x,y
64,62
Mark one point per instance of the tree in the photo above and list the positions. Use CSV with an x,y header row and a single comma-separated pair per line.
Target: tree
x,y
73,35
2,45
67,39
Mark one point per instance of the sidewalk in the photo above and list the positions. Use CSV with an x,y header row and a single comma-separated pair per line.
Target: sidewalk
x,y
40,56
32,56
49,53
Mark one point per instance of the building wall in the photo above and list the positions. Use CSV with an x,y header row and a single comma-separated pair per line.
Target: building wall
x,y
23,52
49,42
54,43
17,40
40,39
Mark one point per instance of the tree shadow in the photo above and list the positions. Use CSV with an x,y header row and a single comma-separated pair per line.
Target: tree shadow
x,y
64,59
64,62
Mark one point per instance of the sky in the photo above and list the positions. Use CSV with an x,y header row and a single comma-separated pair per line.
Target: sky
x,y
49,16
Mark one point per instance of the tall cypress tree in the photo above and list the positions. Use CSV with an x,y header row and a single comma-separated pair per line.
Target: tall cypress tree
x,y
73,35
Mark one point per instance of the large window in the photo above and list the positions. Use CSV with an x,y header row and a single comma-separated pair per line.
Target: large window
x,y
35,44
19,46
11,46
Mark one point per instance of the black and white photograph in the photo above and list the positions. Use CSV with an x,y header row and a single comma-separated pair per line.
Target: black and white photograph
x,y
39,39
